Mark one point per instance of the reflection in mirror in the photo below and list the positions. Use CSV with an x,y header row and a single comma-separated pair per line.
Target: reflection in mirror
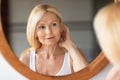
x,y
81,33
11,44
78,21
51,44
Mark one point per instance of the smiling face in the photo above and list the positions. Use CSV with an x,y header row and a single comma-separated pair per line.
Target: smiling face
x,y
48,29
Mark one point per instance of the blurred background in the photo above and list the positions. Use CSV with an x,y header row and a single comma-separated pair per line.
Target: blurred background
x,y
77,15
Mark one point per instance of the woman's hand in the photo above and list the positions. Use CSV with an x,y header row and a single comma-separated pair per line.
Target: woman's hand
x,y
66,42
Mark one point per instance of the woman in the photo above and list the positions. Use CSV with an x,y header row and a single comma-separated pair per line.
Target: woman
x,y
107,28
52,51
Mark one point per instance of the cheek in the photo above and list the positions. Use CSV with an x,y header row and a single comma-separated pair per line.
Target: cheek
x,y
40,36
57,34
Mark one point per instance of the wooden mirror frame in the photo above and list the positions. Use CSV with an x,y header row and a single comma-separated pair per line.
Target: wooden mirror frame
x,y
88,72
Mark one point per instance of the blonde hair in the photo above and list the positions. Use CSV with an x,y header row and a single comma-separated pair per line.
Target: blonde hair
x,y
36,14
107,28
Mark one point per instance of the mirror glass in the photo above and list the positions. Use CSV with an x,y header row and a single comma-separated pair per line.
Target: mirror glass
x,y
80,27
77,15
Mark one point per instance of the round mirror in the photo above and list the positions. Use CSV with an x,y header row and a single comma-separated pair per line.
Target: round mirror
x,y
86,73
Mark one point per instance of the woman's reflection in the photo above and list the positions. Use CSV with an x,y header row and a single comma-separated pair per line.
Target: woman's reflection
x,y
52,51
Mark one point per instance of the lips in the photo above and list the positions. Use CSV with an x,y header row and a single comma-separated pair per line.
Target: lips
x,y
50,37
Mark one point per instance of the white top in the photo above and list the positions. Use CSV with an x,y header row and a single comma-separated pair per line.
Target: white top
x,y
65,69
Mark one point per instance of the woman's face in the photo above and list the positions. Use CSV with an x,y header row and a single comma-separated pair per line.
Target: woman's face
x,y
48,29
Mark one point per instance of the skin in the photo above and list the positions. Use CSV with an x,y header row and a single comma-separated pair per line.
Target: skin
x,y
113,74
52,51
116,1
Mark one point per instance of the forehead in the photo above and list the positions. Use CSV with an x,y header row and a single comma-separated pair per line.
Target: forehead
x,y
48,16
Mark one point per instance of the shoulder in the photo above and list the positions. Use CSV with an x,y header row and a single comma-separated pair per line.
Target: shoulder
x,y
25,56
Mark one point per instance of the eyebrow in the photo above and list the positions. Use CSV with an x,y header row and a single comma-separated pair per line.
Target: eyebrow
x,y
42,23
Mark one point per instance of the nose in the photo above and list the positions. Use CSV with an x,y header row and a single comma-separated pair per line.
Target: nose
x,y
48,31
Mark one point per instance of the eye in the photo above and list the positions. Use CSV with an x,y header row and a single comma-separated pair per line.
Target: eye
x,y
41,27
54,24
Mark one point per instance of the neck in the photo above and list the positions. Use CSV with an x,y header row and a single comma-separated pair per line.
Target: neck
x,y
50,51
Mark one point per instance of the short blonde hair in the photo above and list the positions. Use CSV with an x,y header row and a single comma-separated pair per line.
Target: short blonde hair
x,y
36,14
107,28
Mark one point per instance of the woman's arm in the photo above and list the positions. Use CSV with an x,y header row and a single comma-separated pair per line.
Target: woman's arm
x,y
78,60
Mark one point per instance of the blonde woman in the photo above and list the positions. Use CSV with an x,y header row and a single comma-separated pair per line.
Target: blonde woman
x,y
52,51
107,28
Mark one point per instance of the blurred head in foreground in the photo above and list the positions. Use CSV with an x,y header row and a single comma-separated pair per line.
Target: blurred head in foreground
x,y
107,29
